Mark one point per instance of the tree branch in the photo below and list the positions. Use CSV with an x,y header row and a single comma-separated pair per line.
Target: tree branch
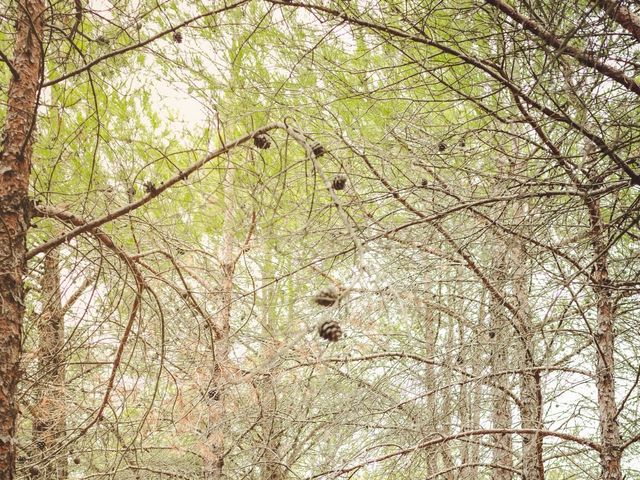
x,y
583,57
458,436
153,38
93,224
494,71
14,72
622,16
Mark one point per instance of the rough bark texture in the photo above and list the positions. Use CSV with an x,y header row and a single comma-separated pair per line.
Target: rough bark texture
x,y
15,166
49,422
604,337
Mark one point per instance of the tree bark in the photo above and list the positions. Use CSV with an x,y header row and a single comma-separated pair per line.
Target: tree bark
x,y
604,336
530,390
272,433
49,423
622,15
430,374
15,166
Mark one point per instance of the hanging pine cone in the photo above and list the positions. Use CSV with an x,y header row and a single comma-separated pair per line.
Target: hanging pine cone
x,y
177,37
214,394
327,296
261,141
318,150
442,146
339,181
330,330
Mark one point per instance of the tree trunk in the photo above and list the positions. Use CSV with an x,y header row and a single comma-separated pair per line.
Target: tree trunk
x,y
475,396
530,390
49,421
611,453
430,339
214,458
272,433
15,166
271,425
501,406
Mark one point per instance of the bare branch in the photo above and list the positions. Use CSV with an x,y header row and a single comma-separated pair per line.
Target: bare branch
x,y
149,40
92,224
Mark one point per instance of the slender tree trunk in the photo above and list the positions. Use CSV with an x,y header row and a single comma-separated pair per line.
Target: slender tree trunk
x,y
444,419
501,405
475,396
214,458
604,337
464,413
270,423
15,166
49,423
430,339
272,434
530,390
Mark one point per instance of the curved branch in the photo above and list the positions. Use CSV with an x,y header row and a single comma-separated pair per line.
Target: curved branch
x,y
489,68
79,222
461,435
129,48
622,16
93,224
583,57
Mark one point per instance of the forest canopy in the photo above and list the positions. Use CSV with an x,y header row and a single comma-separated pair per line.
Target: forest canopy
x,y
278,240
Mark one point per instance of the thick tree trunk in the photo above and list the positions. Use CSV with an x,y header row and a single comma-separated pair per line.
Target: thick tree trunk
x,y
604,337
15,166
49,421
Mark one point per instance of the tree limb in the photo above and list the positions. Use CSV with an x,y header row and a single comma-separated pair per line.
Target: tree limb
x,y
583,57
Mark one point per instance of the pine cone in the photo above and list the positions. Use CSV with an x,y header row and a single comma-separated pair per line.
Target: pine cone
x,y
177,37
261,141
327,296
318,150
339,182
330,331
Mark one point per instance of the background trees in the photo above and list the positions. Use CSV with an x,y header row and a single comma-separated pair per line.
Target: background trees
x,y
169,213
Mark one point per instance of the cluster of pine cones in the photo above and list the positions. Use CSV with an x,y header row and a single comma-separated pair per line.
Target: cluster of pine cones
x,y
329,330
